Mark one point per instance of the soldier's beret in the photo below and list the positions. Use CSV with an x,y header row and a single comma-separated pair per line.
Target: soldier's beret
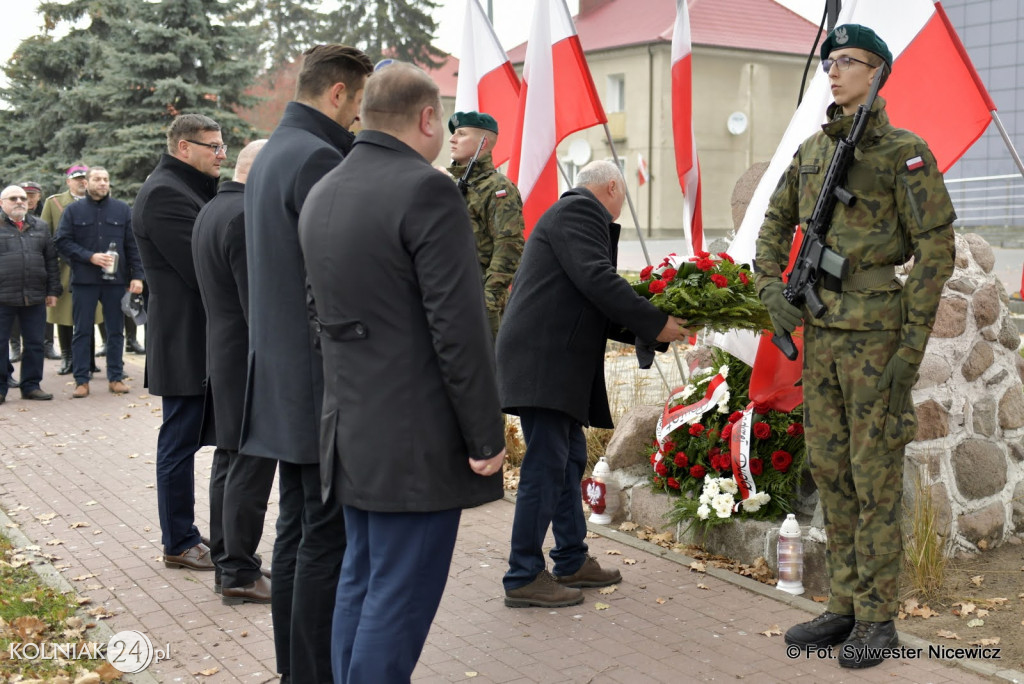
x,y
473,120
856,36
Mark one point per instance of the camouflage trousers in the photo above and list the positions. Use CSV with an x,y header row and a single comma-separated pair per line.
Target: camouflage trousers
x,y
855,455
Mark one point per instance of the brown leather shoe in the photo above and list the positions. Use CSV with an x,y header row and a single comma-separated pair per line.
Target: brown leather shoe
x,y
590,574
81,391
543,592
196,558
218,587
118,387
257,592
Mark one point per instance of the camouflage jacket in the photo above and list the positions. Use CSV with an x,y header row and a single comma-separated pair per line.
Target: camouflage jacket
x,y
902,211
496,212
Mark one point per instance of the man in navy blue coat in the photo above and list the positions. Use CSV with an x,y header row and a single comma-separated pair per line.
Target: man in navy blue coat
x,y
284,389
86,231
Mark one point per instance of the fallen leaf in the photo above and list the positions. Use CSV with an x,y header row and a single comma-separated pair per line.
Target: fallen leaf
x,y
820,599
976,623
977,580
965,608
127,415
589,535
245,633
704,587
628,526
613,552
772,631
601,606
209,672
922,612
76,525
108,673
28,627
90,503
83,600
82,578
628,561
983,544
28,599
55,542
982,613
46,517
472,674
660,601
698,566
997,601
946,634
986,642
100,613
607,590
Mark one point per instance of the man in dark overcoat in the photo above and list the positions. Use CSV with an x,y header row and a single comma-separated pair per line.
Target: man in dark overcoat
x,y
550,351
284,390
164,213
239,484
411,419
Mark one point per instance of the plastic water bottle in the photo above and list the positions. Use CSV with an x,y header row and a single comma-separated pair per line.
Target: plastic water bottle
x,y
109,271
791,557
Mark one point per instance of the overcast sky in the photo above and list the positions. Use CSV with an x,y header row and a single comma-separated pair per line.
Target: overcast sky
x,y
511,21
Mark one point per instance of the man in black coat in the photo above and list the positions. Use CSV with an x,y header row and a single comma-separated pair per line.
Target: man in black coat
x,y
565,299
284,390
29,283
411,421
239,484
86,232
163,216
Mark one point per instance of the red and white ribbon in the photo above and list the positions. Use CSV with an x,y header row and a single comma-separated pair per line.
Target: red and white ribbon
x,y
739,448
673,418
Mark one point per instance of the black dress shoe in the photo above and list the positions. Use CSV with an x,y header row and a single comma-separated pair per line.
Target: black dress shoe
x,y
94,369
828,629
3,398
134,347
49,352
36,395
65,365
101,350
867,643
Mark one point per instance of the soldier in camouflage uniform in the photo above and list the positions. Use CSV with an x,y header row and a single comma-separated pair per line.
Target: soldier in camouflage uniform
x,y
861,357
495,208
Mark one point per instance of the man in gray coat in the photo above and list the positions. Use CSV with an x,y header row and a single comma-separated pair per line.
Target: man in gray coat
x,y
566,299
284,390
411,419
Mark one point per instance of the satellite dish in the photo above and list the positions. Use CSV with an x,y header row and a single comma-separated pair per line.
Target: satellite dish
x,y
579,151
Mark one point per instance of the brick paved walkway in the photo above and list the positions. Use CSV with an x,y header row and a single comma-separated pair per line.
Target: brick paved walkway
x,y
92,461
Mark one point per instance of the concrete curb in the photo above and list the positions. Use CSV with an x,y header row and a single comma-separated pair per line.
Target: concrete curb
x,y
1009,675
102,632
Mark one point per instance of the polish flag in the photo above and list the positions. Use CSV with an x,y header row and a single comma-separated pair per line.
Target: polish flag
x,y
687,166
930,65
642,175
487,82
557,98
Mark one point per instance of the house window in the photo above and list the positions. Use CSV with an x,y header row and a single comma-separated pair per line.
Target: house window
x,y
615,95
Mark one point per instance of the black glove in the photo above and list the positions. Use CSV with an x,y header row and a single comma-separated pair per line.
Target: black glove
x,y
785,317
899,377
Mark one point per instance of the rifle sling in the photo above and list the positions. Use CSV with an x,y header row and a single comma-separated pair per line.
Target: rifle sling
x,y
862,280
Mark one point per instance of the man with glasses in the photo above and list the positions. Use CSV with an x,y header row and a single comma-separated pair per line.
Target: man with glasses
x,y
861,356
29,283
165,210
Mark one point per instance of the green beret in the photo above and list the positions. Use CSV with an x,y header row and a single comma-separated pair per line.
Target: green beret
x,y
473,120
855,36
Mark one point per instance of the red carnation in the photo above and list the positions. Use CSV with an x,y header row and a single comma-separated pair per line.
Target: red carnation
x,y
795,429
661,468
762,409
743,278
714,451
698,471
781,460
756,466
720,280
725,255
727,432
696,430
656,286
657,482
673,483
646,273
669,447
654,458
762,430
681,460
705,264
702,254
668,274
736,416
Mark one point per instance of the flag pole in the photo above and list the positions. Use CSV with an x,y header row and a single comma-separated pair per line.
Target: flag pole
x,y
1007,141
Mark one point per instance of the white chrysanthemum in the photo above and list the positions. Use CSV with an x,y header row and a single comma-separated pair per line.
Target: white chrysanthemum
x,y
724,370
723,402
704,499
751,505
703,512
763,497
711,486
689,390
723,504
728,486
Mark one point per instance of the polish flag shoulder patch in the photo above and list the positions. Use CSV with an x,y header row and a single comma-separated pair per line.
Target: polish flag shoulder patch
x,y
502,193
915,163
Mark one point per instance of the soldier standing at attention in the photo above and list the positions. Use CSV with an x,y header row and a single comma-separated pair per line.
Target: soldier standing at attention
x,y
495,208
861,357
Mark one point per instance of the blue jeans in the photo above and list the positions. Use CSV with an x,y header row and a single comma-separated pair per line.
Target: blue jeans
x,y
394,573
83,310
33,325
176,448
549,495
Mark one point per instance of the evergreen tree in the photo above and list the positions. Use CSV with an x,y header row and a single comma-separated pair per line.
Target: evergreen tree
x,y
400,29
288,27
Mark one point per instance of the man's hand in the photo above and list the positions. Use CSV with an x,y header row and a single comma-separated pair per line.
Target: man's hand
x,y
674,330
488,467
898,377
51,301
101,259
785,317
135,286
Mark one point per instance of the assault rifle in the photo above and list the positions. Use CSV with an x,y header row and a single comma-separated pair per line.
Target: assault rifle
x,y
815,260
463,182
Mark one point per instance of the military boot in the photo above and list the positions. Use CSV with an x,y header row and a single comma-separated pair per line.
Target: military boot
x,y
65,362
866,645
828,629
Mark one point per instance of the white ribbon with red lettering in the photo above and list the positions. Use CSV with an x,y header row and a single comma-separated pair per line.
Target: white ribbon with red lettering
x,y
673,418
739,449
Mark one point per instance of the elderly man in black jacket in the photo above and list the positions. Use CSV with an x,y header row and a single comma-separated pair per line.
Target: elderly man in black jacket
x,y
29,283
239,484
411,420
165,211
566,299
285,385
87,231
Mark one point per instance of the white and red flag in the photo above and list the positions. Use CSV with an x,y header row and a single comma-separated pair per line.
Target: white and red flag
x,y
930,65
642,174
687,165
557,98
487,82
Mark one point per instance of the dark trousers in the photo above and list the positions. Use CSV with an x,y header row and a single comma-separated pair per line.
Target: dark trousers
x,y
239,491
83,310
549,495
394,573
176,447
33,320
307,559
